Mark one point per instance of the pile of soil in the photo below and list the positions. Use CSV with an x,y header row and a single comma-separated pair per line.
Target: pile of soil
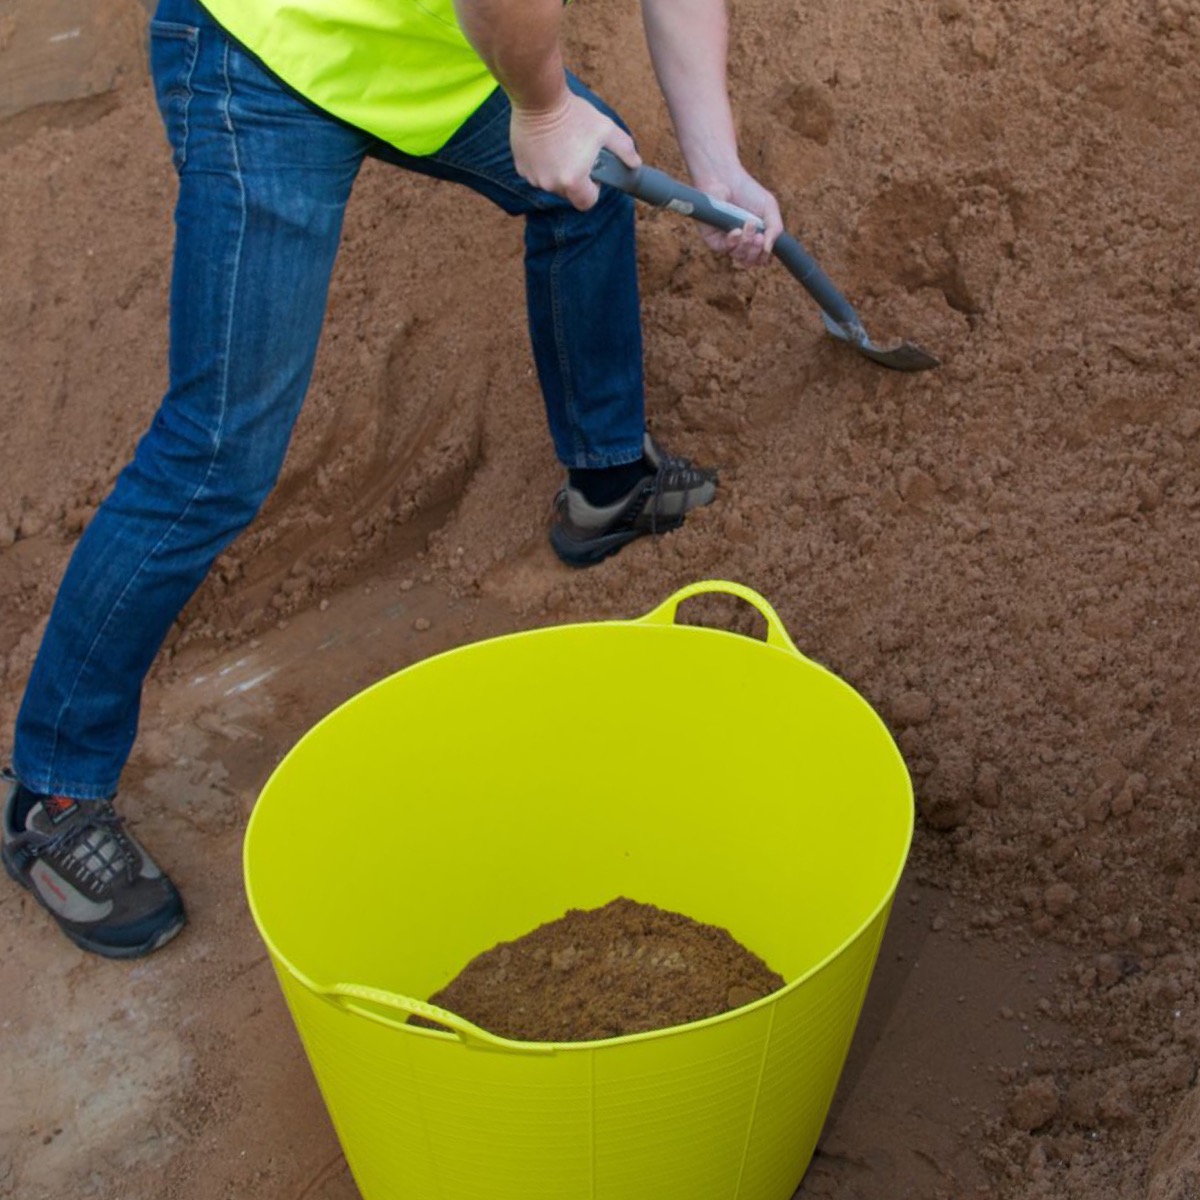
x,y
999,555
604,972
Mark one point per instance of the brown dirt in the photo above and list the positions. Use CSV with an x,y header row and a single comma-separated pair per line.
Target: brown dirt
x,y
999,555
605,972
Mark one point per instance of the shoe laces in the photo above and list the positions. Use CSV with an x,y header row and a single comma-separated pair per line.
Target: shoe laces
x,y
94,847
674,473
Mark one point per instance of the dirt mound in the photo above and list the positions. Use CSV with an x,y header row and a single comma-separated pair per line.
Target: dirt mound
x,y
606,972
1000,555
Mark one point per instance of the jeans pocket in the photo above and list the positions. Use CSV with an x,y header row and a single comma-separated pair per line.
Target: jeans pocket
x,y
173,51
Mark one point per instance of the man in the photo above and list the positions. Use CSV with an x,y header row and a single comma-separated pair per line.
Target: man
x,y
270,107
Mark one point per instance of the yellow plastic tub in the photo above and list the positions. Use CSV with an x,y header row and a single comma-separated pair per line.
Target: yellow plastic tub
x,y
476,795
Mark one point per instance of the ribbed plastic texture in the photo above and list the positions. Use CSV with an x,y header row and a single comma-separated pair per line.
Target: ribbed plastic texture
x,y
472,797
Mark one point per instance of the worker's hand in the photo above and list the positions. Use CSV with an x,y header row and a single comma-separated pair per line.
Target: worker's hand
x,y
746,247
555,150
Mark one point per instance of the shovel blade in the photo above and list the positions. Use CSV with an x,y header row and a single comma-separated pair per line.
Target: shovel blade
x,y
905,357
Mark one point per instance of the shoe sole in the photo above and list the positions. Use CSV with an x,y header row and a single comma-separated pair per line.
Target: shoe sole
x,y
161,938
589,552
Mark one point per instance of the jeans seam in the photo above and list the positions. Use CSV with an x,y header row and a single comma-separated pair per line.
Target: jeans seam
x,y
178,29
186,108
560,340
191,35
216,440
68,787
237,257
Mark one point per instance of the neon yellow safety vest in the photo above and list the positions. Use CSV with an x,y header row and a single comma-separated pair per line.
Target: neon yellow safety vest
x,y
400,69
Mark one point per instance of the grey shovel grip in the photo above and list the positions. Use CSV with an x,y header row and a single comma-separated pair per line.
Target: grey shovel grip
x,y
660,189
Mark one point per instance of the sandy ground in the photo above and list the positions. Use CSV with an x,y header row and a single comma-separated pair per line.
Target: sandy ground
x,y
999,555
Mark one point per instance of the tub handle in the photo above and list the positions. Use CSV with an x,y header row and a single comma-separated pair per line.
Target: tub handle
x,y
344,996
777,635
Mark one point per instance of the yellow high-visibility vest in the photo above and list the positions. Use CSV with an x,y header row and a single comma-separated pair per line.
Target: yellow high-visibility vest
x,y
400,69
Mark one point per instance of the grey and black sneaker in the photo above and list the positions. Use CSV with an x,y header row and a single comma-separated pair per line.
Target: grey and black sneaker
x,y
583,534
90,873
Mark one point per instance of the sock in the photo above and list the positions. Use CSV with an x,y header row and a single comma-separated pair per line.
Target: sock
x,y
23,805
602,486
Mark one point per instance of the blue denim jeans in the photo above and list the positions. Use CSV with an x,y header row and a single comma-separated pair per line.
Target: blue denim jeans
x,y
264,181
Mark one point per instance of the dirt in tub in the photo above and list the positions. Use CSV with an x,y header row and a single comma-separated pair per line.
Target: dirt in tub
x,y
600,973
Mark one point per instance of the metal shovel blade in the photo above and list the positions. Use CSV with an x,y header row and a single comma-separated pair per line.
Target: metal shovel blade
x,y
657,188
907,356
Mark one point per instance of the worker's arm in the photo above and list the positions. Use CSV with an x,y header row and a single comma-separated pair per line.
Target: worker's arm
x,y
689,42
555,135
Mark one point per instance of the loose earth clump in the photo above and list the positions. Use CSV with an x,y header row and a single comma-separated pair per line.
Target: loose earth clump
x,y
601,973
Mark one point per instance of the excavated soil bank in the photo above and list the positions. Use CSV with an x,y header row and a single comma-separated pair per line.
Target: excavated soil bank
x,y
1000,556
605,972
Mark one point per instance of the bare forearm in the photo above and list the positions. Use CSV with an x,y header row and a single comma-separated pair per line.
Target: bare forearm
x,y
689,45
519,41
688,42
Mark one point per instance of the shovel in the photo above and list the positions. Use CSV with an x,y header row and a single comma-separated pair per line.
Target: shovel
x,y
657,188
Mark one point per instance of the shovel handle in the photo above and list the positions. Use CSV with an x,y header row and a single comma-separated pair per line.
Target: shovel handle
x,y
663,191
